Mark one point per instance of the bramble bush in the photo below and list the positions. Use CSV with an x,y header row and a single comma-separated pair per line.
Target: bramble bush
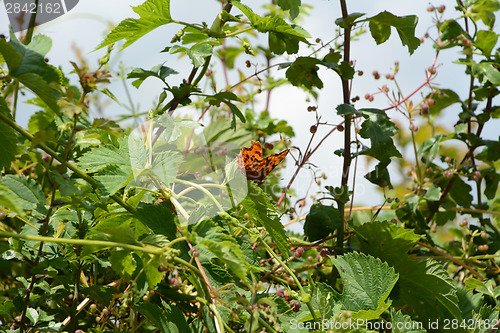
x,y
107,228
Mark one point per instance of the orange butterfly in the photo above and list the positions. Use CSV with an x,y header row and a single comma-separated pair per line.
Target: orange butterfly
x,y
256,167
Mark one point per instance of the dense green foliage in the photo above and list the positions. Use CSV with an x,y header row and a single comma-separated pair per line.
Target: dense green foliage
x,y
109,228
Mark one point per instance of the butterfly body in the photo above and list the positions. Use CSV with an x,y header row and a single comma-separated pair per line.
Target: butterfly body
x,y
256,167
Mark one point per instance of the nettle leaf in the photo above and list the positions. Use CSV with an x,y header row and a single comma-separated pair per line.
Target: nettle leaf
x,y
367,281
8,139
425,284
486,41
292,5
30,69
283,37
158,71
112,178
152,14
379,129
260,209
321,221
380,28
304,72
386,241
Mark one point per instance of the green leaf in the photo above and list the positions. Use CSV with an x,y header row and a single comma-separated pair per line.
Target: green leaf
x,y
32,315
197,53
386,241
451,30
486,71
282,36
170,319
486,41
112,178
484,10
40,44
425,284
443,99
402,323
344,109
292,5
158,71
304,72
230,254
429,149
260,209
321,221
380,175
152,14
379,129
460,192
405,26
27,192
159,218
122,262
367,281
487,315
8,200
8,139
469,302
433,193
173,127
30,68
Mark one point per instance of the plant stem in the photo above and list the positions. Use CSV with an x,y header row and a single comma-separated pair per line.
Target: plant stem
x,y
347,127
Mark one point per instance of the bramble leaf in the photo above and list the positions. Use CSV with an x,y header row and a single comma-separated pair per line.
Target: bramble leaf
x,y
367,281
152,14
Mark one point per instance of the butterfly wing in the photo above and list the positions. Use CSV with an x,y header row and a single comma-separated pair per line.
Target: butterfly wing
x,y
258,170
249,155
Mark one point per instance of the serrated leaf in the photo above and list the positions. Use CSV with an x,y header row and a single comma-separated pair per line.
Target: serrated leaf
x,y
159,71
425,284
103,156
122,262
291,5
460,192
170,319
159,219
260,209
8,139
405,26
321,221
112,178
386,241
304,72
230,254
40,44
28,192
379,129
30,68
402,323
8,200
486,41
367,281
32,315
152,14
282,36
